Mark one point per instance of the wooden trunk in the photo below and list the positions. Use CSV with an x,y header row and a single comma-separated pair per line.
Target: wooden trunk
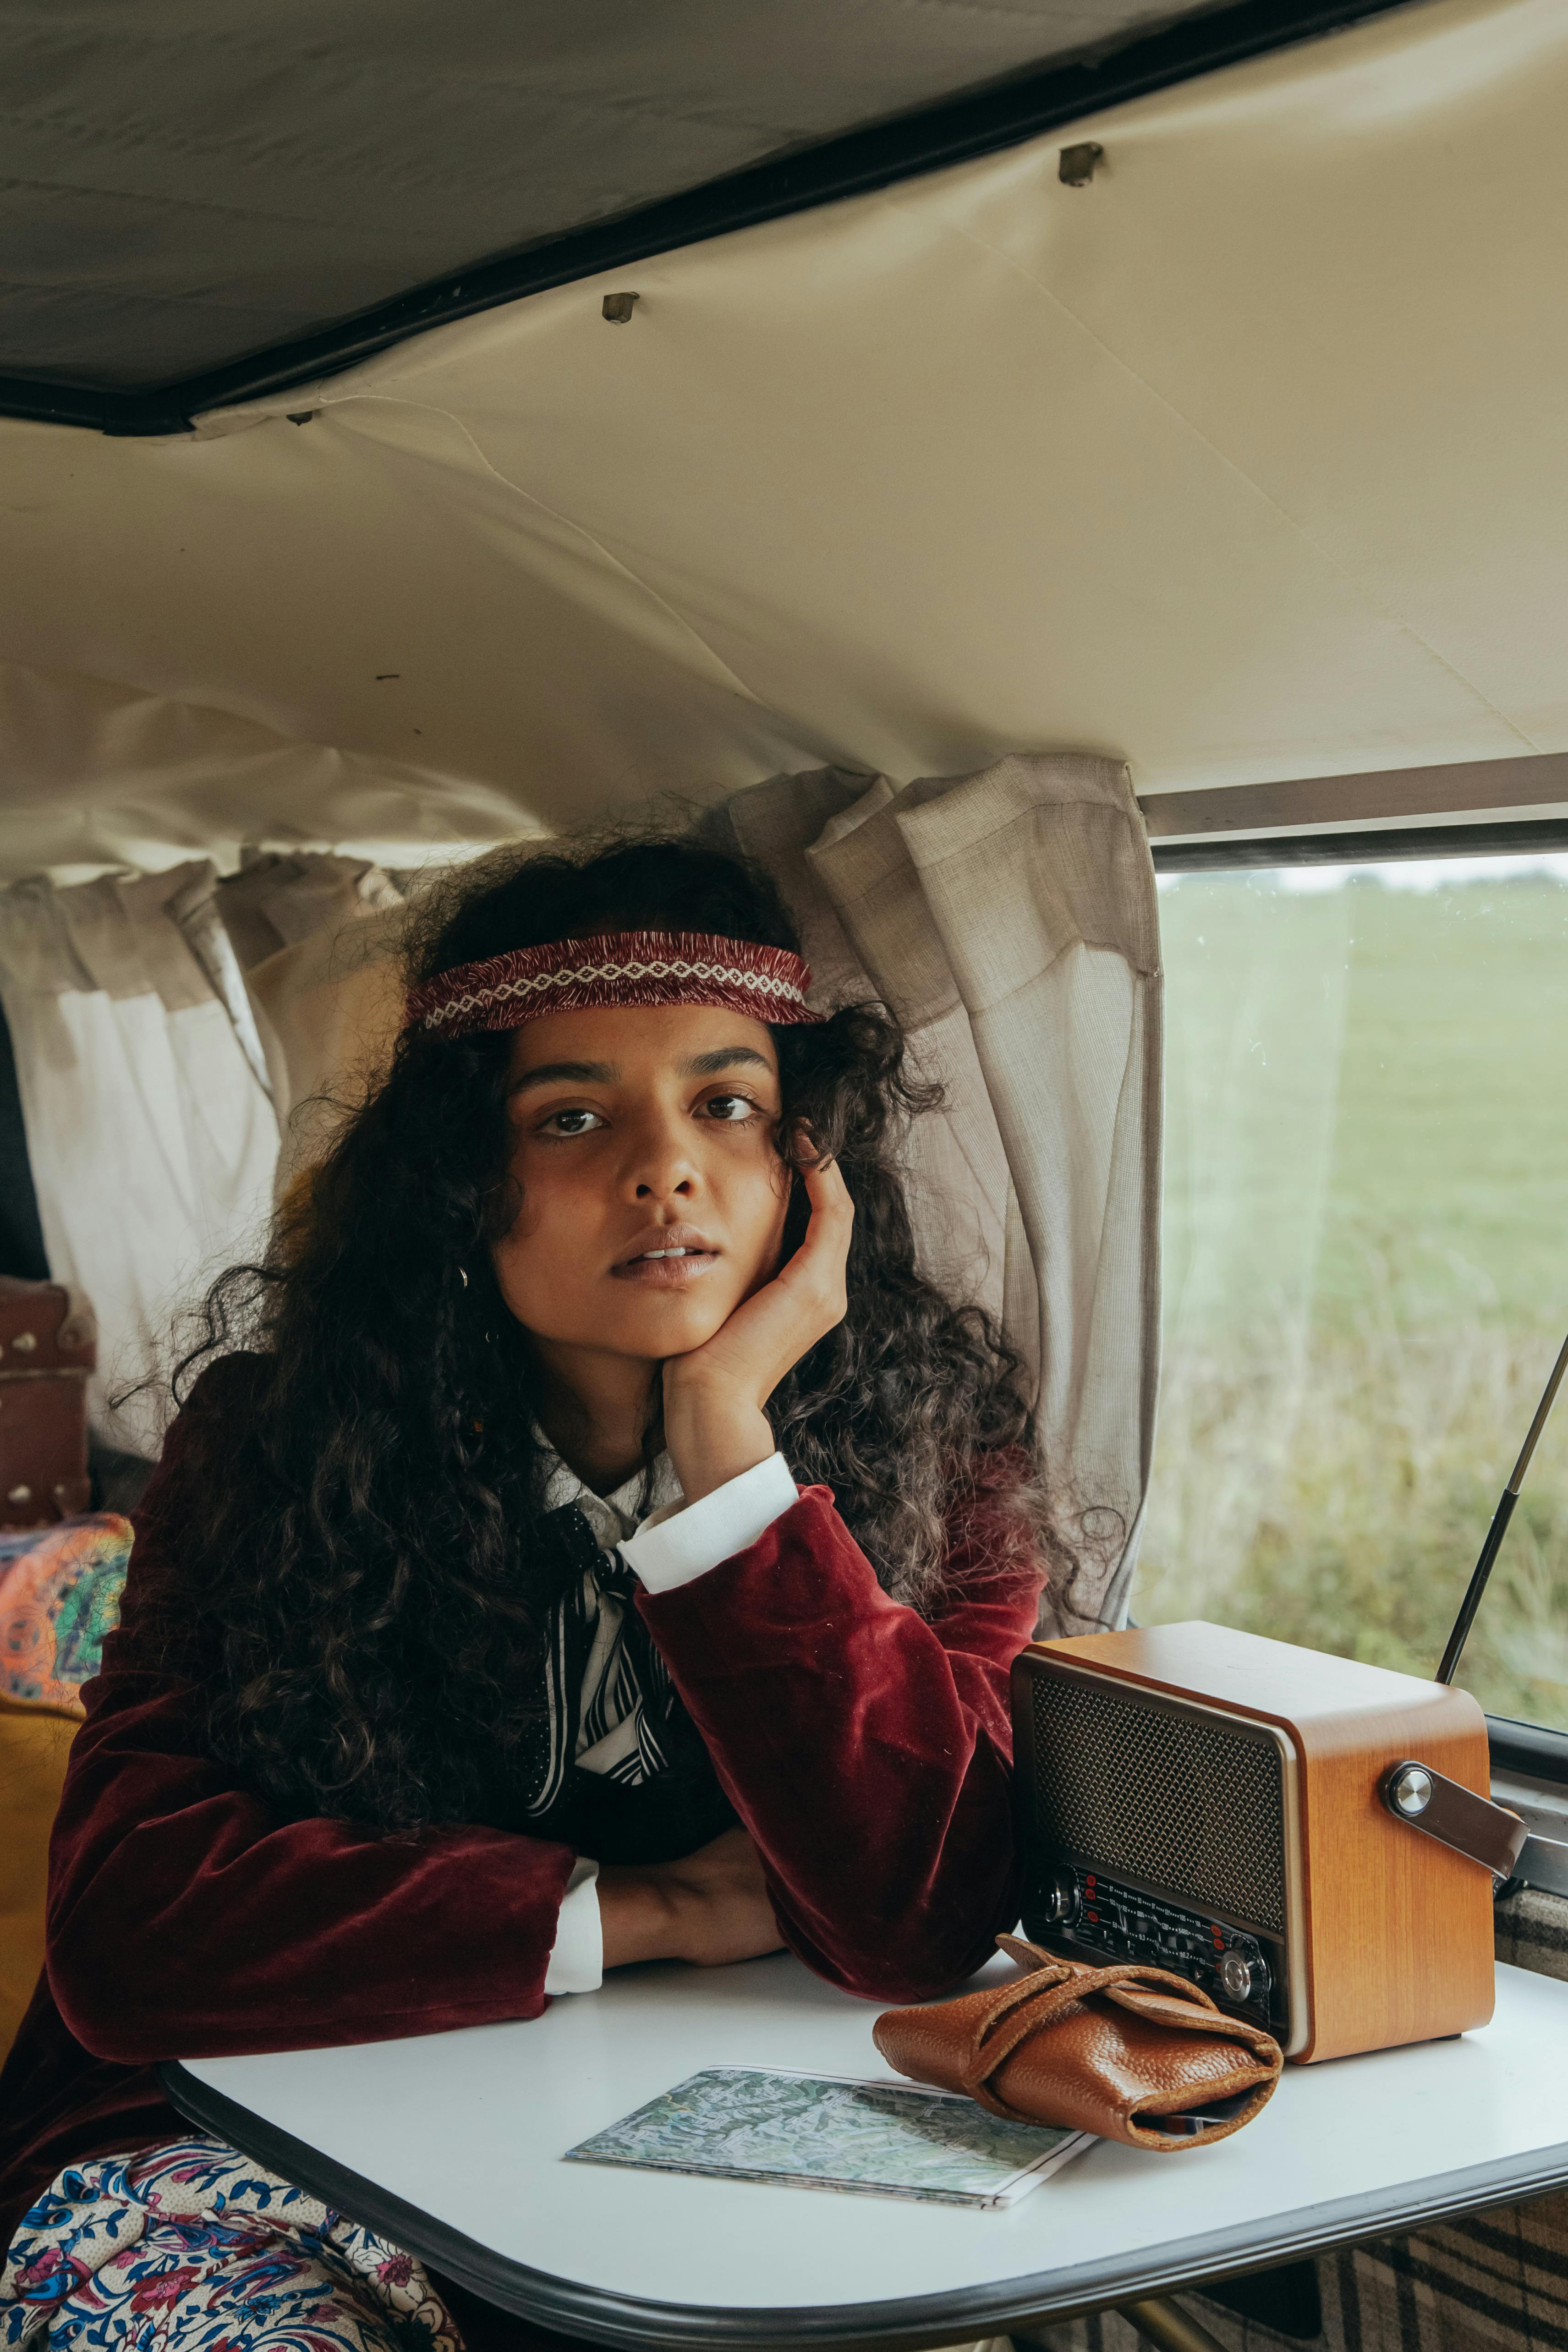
x,y
48,1347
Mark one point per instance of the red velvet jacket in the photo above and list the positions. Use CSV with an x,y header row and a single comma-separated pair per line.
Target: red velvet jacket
x,y
866,1750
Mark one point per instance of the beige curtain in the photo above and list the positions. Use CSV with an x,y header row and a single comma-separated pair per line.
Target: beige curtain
x,y
315,936
166,1028
150,1134
1010,918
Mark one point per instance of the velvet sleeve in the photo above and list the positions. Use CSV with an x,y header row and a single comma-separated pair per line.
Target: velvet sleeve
x,y
867,1750
186,1920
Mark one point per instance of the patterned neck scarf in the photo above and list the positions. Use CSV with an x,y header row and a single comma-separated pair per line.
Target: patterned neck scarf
x,y
609,1692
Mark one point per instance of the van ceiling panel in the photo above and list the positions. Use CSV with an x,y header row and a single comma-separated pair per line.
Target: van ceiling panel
x,y
1243,461
188,182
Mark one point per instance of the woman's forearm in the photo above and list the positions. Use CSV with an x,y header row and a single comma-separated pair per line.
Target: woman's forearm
x,y
711,1908
635,1917
185,1920
867,1751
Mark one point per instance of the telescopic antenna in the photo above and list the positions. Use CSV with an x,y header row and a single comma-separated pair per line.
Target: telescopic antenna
x,y
1501,1517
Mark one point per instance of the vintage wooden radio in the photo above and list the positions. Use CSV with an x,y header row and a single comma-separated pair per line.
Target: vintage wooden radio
x,y
1230,1808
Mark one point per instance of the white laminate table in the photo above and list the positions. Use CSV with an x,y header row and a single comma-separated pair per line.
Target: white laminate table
x,y
451,2144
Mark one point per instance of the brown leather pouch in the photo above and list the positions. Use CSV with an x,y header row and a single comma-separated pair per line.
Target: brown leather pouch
x,y
1128,2053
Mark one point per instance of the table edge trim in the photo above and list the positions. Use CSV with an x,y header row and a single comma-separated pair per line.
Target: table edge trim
x,y
996,2308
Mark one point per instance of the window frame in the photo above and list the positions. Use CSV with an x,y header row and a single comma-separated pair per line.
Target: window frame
x,y
1533,1750
1214,853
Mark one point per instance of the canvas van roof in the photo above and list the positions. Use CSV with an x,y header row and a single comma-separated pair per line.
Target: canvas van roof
x,y
1231,450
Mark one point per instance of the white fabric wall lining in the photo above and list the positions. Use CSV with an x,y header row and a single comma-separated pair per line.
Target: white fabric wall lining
x,y
98,773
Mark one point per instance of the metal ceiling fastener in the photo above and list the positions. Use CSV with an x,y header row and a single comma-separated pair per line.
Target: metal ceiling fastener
x,y
1076,169
617,307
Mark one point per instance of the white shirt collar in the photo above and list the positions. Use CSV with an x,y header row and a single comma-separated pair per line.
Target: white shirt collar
x,y
612,1517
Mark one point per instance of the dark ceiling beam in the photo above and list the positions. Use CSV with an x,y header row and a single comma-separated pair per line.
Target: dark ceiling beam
x,y
100,412
858,161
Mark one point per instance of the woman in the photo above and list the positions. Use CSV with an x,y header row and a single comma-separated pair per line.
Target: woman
x,y
606,1547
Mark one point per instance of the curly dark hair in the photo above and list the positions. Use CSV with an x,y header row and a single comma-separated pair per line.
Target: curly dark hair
x,y
362,1542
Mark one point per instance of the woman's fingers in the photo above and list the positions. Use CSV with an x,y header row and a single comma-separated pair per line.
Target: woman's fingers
x,y
828,1192
807,1298
715,1397
818,1265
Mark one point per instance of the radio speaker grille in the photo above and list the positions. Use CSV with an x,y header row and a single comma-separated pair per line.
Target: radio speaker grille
x,y
1177,1801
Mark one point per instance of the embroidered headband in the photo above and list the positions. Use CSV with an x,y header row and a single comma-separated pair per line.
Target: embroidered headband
x,y
615,968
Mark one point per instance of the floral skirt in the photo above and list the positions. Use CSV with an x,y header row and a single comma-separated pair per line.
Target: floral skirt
x,y
192,2248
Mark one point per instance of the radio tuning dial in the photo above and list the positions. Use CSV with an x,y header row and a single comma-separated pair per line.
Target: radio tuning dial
x,y
1061,1896
1236,1977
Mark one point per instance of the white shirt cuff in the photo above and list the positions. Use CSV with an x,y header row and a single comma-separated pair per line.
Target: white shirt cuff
x,y
577,1954
684,1540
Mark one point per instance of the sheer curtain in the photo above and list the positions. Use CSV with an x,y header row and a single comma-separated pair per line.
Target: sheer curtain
x,y
149,1129
1010,918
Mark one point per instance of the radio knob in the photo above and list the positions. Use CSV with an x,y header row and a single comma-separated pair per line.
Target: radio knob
x,y
1236,1977
1061,1896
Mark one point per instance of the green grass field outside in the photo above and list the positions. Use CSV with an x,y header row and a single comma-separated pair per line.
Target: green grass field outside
x,y
1366,1268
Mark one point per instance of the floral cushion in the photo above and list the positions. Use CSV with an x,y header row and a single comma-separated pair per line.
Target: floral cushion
x,y
60,1595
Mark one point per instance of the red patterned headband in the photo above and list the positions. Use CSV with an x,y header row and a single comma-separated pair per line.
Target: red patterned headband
x,y
614,967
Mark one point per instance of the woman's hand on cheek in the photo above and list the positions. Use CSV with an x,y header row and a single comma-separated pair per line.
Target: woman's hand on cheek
x,y
714,1423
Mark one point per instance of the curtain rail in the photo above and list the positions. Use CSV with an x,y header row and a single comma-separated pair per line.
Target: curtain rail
x,y
1457,789
1528,836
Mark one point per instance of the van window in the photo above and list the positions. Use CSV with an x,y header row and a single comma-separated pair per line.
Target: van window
x,y
1366,1261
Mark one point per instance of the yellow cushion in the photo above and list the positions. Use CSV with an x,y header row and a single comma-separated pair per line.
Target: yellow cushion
x,y
34,1744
